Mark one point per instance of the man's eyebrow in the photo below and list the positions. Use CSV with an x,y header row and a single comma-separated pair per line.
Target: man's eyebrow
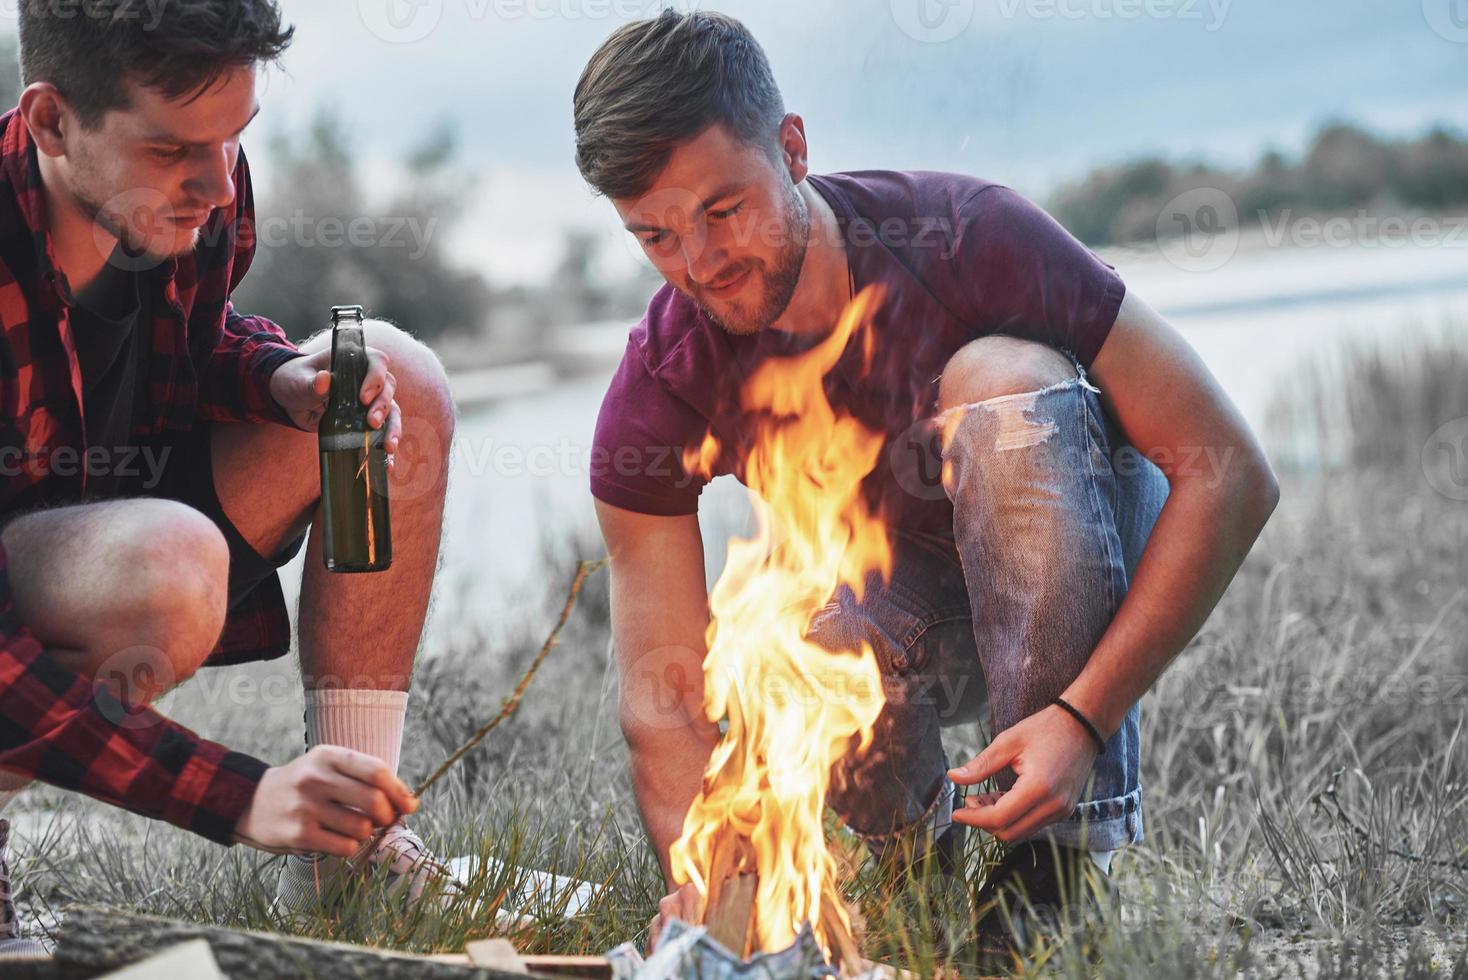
x,y
171,138
728,190
725,191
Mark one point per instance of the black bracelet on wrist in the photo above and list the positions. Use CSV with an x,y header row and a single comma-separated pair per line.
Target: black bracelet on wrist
x,y
1085,723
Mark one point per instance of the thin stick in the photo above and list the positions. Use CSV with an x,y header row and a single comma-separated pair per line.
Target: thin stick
x,y
584,569
837,934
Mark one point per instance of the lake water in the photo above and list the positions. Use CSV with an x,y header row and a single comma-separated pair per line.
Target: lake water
x,y
519,470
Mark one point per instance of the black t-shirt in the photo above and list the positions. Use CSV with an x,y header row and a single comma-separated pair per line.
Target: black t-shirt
x,y
106,324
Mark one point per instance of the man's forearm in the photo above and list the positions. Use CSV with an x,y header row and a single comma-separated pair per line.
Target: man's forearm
x,y
235,386
1196,548
666,776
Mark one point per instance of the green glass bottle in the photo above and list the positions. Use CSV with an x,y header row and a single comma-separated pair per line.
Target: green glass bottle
x,y
357,535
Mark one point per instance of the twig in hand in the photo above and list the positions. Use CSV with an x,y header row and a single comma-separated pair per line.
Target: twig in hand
x,y
584,570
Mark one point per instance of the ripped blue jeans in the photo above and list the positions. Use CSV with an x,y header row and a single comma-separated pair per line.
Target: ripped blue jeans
x,y
1051,510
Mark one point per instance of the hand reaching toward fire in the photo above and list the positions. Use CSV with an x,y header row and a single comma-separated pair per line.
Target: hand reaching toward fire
x,y
686,903
1052,757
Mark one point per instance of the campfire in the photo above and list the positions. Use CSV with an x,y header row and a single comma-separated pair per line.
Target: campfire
x,y
791,707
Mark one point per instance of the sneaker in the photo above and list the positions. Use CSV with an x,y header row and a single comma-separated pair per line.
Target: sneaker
x,y
313,884
12,946
1036,889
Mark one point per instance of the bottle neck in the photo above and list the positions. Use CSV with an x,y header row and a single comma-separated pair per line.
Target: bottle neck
x,y
348,368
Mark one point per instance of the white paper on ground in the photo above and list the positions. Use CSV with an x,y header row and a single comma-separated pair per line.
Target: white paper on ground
x,y
193,959
533,891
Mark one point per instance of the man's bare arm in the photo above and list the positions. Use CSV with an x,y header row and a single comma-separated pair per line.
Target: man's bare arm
x,y
659,622
1222,493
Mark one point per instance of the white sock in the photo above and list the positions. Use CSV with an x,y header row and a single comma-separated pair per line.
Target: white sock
x,y
1102,860
367,721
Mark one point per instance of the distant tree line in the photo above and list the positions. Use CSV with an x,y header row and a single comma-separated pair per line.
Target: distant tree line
x,y
323,240
1345,168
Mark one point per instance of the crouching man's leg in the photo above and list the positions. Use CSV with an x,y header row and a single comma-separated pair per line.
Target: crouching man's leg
x,y
1049,532
129,592
895,794
359,633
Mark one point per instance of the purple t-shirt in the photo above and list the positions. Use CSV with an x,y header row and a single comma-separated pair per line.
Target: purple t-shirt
x,y
959,258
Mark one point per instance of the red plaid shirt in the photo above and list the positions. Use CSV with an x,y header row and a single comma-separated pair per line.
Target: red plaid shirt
x,y
207,362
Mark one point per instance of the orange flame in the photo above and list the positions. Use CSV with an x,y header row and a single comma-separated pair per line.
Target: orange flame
x,y
792,707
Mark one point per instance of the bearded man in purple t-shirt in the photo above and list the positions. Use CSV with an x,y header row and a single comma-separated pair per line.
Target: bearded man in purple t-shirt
x,y
1056,541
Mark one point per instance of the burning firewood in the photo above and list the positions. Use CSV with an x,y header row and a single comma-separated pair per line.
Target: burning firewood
x,y
730,920
730,917
790,706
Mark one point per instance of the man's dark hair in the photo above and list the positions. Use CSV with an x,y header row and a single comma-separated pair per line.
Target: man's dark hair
x,y
655,83
175,47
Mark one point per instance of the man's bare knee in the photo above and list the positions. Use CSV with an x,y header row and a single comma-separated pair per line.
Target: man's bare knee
x,y
998,365
423,391
116,579
422,383
186,584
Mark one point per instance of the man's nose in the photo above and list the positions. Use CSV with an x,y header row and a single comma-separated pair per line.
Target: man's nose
x,y
702,261
213,183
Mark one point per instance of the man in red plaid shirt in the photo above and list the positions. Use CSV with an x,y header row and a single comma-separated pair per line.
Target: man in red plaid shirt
x,y
158,457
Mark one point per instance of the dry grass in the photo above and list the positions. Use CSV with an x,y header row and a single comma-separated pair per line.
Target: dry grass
x,y
1304,765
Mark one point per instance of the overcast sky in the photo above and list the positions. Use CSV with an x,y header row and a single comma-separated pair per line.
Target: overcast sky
x,y
1027,92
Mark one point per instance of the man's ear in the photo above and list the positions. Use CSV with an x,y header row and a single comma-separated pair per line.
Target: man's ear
x,y
793,149
47,116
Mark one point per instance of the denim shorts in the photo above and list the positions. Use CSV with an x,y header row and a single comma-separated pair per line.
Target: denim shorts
x,y
1051,511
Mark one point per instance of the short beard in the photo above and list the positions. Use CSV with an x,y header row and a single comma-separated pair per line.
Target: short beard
x,y
780,283
130,255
